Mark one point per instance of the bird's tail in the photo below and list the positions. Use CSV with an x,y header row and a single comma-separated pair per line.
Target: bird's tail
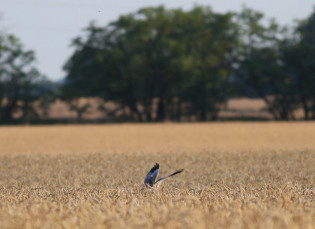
x,y
161,179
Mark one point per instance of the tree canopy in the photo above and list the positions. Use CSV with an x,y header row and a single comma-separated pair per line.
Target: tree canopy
x,y
181,59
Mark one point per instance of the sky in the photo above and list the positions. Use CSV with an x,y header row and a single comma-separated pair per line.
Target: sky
x,y
48,26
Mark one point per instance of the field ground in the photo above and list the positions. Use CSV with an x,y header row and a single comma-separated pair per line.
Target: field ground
x,y
237,175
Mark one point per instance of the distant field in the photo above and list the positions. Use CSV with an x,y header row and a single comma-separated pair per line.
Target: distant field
x,y
235,108
237,175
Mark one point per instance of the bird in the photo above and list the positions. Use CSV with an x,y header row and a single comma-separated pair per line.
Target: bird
x,y
149,180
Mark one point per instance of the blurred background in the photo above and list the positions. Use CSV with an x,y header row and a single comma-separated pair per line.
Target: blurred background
x,y
80,61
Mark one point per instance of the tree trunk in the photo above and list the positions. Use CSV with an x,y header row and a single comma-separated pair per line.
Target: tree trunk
x,y
271,108
284,115
79,114
214,114
305,108
135,110
178,111
203,113
160,114
148,109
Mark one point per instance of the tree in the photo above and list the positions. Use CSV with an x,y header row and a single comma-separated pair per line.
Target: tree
x,y
211,39
299,55
261,64
132,62
156,54
20,81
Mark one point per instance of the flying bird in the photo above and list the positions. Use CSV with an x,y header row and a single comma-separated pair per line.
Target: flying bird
x,y
149,180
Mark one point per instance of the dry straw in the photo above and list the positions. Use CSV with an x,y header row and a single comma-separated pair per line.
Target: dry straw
x,y
257,175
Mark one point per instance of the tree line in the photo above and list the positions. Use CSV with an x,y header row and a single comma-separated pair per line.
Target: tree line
x,y
169,64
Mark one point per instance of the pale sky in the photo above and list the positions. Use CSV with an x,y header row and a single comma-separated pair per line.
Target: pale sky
x,y
48,26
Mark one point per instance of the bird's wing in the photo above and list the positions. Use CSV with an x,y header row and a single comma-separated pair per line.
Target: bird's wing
x,y
179,171
151,176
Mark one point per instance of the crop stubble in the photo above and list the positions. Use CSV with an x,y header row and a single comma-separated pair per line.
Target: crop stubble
x,y
237,175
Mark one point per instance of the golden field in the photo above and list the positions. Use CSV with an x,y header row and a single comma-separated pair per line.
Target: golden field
x,y
236,175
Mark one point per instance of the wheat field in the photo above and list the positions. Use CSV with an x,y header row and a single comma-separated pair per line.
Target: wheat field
x,y
236,175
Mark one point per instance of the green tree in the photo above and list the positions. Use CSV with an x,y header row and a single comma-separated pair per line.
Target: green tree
x,y
261,64
299,56
20,81
211,39
156,54
133,61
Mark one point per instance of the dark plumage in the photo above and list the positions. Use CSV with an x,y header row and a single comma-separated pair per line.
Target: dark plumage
x,y
153,173
156,166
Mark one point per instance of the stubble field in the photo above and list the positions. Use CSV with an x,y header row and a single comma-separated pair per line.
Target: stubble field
x,y
236,175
